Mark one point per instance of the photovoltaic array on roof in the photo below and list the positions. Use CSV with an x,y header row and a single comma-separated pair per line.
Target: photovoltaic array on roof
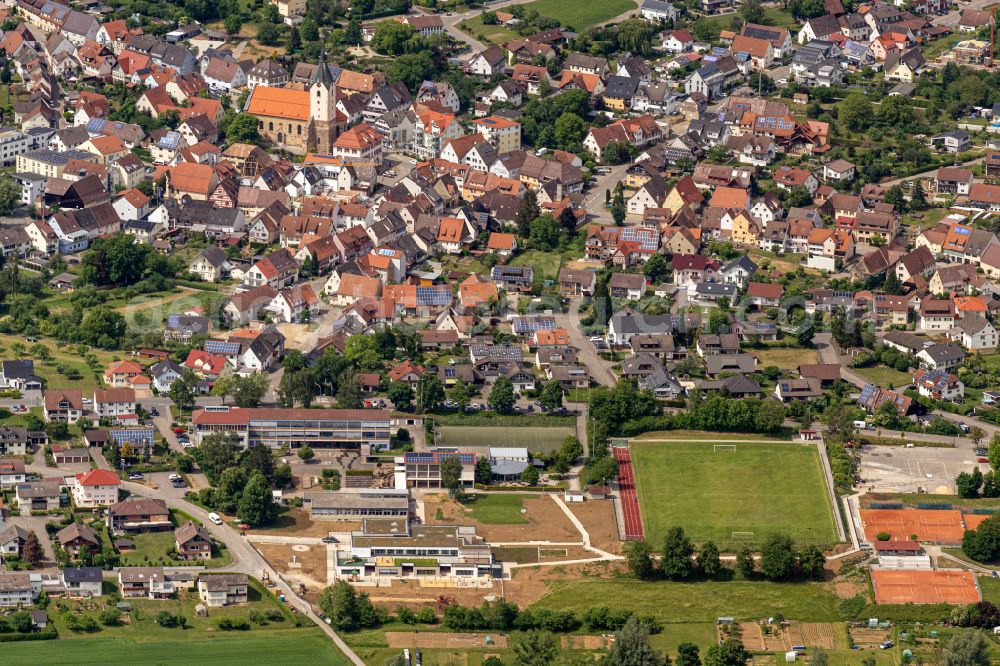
x,y
385,252
223,347
868,393
170,141
433,296
648,239
430,457
530,324
132,435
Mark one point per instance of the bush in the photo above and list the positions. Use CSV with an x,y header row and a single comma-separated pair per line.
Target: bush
x,y
110,617
883,536
258,617
233,624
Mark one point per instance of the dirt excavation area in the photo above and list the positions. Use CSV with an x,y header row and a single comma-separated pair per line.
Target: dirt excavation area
x,y
297,564
543,520
598,518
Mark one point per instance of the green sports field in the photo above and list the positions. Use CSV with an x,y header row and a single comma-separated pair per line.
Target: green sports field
x,y
276,648
755,490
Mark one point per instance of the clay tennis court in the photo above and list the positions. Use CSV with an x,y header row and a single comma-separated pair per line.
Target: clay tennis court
x,y
631,513
972,520
942,527
925,587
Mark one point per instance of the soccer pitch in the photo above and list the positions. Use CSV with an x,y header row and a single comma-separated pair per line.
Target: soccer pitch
x,y
732,493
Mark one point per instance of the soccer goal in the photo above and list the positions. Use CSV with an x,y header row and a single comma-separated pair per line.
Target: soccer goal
x,y
742,536
730,448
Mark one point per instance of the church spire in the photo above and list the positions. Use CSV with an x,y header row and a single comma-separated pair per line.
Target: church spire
x,y
322,73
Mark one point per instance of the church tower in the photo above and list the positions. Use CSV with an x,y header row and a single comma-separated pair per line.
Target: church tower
x,y
323,107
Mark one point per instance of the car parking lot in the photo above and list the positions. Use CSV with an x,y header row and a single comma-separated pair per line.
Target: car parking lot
x,y
917,469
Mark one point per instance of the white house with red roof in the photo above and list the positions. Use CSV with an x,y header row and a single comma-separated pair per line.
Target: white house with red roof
x,y
94,489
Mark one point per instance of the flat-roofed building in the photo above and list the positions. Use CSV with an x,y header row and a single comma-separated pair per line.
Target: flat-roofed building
x,y
357,504
364,429
394,548
422,469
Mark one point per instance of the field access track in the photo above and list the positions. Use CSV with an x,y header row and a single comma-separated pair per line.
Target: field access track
x,y
631,513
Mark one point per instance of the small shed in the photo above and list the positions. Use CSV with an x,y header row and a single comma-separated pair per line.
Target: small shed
x,y
200,610
39,619
573,496
124,545
808,435
725,619
598,492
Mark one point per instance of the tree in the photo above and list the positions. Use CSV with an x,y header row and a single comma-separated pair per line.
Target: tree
x,y
968,484
294,41
751,11
631,646
430,393
976,434
309,30
818,657
103,327
570,130
257,505
306,453
229,489
770,416
401,396
708,559
339,602
527,212
552,396
352,33
687,655
639,558
777,557
535,648
811,562
484,471
618,205
349,390
461,394
744,561
918,201
993,454
895,196
967,648
218,452
269,34
20,621
677,551
259,459
392,37
451,474
182,390
411,69
655,268
983,543
855,112
248,390
10,194
730,653
242,128
530,475
718,321
502,394
32,550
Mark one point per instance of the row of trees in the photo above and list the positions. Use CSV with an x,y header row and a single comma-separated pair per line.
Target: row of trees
x,y
242,480
779,560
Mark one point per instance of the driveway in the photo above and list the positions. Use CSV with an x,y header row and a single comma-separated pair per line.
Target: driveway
x,y
36,524
600,369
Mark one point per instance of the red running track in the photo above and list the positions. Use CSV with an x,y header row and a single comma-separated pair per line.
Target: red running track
x,y
629,499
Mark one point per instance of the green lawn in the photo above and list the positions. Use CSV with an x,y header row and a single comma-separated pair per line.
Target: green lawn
x,y
535,439
884,376
784,358
698,602
292,647
498,509
772,16
65,358
544,264
494,34
759,488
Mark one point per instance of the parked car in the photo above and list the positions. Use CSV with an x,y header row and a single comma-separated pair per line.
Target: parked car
x,y
154,411
329,539
982,460
214,517
178,431
135,476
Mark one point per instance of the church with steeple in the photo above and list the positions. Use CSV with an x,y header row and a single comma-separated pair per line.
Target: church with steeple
x,y
299,120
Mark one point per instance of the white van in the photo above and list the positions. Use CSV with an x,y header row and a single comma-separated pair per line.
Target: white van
x,y
214,517
861,425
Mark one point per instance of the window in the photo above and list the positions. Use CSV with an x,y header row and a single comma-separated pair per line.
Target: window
x,y
270,126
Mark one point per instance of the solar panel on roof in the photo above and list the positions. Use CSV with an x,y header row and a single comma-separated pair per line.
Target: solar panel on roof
x,y
433,296
132,435
386,252
222,347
